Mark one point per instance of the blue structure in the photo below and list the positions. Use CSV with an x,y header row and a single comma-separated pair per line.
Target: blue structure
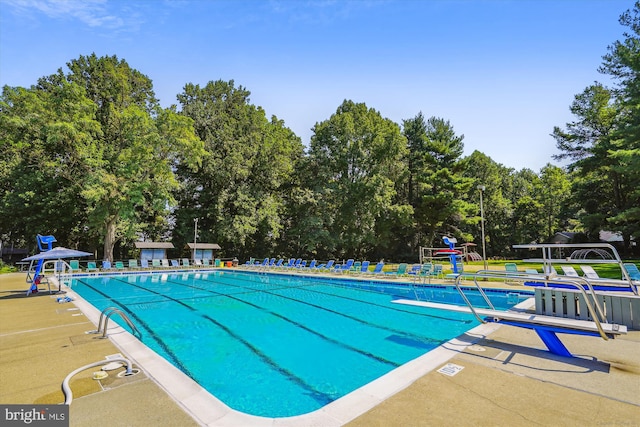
x,y
454,254
45,243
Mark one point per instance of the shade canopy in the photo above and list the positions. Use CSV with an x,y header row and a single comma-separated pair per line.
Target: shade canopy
x,y
57,253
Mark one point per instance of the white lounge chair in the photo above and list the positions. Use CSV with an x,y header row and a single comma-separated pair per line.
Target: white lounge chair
x,y
589,272
569,271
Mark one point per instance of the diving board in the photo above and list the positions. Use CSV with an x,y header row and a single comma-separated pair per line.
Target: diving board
x,y
545,326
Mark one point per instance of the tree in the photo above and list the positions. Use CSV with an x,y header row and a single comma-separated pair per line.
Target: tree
x,y
39,185
102,139
622,63
437,183
237,194
357,159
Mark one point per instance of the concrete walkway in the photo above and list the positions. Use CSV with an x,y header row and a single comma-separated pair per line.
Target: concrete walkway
x,y
508,379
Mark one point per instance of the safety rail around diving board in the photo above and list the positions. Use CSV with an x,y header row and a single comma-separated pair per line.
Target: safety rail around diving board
x,y
545,326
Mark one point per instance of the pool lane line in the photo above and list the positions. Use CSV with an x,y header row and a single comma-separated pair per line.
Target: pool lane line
x,y
367,323
317,395
280,316
324,283
176,362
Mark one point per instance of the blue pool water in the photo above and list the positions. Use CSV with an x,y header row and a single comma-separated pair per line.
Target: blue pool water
x,y
280,345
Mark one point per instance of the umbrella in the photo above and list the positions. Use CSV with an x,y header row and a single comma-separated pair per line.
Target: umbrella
x,y
57,253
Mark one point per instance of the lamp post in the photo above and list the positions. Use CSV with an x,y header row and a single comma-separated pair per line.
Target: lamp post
x,y
484,253
195,237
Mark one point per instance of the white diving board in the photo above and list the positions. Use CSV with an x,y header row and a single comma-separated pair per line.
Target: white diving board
x,y
524,318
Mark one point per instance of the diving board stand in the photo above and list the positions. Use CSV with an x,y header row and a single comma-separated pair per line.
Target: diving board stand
x,y
545,326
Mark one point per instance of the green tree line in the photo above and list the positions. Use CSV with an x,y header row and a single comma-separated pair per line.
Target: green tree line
x,y
87,154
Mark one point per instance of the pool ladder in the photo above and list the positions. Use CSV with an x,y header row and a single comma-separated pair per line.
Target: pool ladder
x,y
104,321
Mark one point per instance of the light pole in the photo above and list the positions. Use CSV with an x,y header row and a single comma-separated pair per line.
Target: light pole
x,y
484,253
195,237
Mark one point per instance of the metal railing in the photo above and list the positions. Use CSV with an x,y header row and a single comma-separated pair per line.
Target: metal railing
x,y
104,320
597,314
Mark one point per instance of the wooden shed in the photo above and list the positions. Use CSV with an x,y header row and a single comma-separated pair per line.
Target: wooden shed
x,y
203,250
153,250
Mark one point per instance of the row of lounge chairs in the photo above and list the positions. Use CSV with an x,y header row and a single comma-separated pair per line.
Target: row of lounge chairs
x,y
144,264
587,271
350,266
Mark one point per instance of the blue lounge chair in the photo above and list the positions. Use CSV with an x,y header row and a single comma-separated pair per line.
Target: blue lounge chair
x,y
325,267
632,271
297,263
415,269
279,263
175,263
144,263
106,265
364,267
378,268
345,267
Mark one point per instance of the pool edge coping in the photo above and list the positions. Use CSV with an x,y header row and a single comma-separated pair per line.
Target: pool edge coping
x,y
208,410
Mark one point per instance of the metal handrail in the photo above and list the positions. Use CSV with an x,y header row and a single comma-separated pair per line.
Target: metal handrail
x,y
106,314
548,261
546,279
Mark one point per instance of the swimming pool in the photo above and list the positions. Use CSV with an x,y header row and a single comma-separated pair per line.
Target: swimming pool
x,y
280,345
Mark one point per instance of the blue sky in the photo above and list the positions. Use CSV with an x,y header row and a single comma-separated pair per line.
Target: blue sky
x,y
502,72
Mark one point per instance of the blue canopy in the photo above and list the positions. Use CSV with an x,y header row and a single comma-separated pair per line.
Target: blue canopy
x,y
58,253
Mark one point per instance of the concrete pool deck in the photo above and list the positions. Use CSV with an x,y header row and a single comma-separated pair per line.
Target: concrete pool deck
x,y
507,377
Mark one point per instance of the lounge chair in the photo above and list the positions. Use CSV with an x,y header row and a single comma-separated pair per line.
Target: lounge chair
x,y
401,271
296,264
569,271
589,272
197,262
106,265
155,263
263,264
165,263
327,266
175,263
414,270
437,270
355,267
185,262
250,263
91,266
341,268
144,263
206,262
119,265
133,264
74,264
632,271
279,263
312,265
378,269
364,268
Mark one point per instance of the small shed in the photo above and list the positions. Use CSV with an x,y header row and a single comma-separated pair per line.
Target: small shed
x,y
203,250
153,250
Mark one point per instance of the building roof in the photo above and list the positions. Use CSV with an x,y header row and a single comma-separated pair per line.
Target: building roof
x,y
204,246
154,245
